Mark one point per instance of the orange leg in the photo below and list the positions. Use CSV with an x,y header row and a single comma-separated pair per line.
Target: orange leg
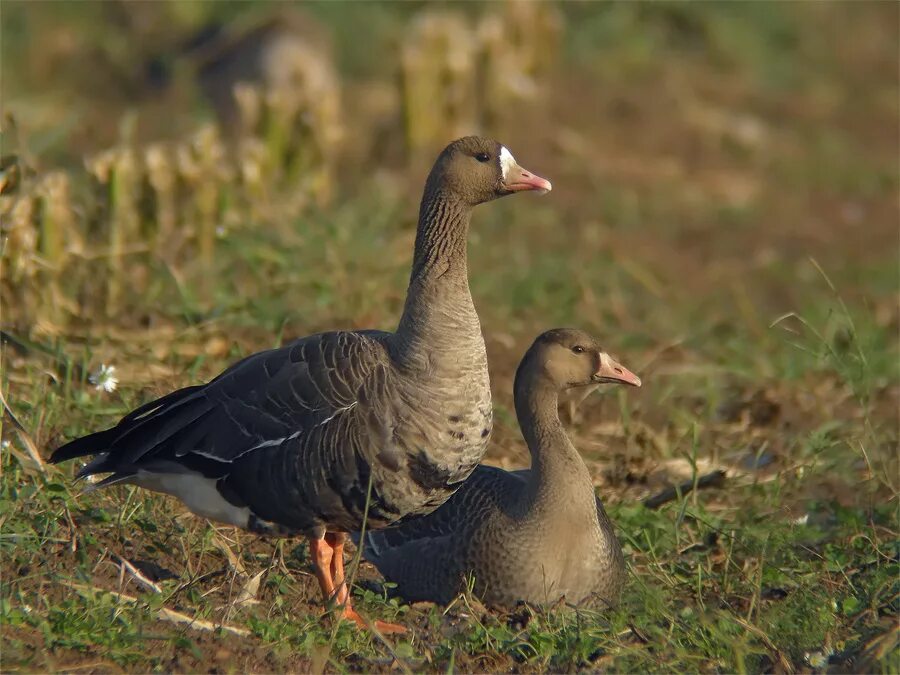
x,y
328,556
342,593
323,554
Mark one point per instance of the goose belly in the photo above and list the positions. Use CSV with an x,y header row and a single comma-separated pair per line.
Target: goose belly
x,y
197,492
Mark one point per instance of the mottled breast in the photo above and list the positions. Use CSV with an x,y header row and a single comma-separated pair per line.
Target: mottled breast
x,y
440,435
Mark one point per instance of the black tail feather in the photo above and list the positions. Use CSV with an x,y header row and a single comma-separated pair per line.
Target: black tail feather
x,y
150,433
167,401
86,445
165,413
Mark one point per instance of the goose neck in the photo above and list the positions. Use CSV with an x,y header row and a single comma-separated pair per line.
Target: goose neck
x,y
441,238
439,330
559,479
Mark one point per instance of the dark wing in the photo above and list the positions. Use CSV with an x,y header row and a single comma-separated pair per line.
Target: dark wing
x,y
424,555
487,489
262,401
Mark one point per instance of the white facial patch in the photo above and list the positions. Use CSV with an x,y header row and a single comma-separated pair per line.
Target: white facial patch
x,y
507,161
605,361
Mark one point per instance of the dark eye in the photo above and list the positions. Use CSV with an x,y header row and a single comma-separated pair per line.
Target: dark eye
x,y
483,157
578,349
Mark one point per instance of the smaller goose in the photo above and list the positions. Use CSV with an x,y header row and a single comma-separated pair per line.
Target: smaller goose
x,y
535,535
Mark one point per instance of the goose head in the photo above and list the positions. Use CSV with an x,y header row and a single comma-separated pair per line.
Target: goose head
x,y
570,358
477,170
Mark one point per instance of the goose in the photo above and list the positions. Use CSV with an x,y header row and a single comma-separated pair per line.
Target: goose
x,y
335,428
535,535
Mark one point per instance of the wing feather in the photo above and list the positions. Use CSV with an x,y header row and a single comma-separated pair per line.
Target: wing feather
x,y
265,400
487,489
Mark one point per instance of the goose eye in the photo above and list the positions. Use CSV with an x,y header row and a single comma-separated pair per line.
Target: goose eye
x,y
482,157
578,349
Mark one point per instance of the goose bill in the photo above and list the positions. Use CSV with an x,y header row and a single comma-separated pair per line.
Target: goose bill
x,y
518,179
615,373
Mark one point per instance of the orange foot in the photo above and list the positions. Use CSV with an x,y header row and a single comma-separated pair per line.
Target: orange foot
x,y
328,556
350,614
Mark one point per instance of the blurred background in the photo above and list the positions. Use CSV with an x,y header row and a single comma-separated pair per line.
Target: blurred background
x,y
184,180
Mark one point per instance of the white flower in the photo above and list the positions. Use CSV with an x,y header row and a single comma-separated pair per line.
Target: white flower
x,y
105,378
801,520
818,659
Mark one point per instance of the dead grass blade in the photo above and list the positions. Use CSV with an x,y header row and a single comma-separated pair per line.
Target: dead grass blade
x,y
164,614
783,663
136,574
233,560
34,461
249,590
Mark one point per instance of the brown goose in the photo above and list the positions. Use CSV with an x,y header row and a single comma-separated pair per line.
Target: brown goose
x,y
287,441
535,535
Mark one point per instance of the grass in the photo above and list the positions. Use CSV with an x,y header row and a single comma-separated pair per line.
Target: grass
x,y
752,285
732,591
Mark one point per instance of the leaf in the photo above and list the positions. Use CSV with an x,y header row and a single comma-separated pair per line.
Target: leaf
x,y
247,594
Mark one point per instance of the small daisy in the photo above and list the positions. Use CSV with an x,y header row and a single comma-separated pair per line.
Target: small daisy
x,y
818,659
105,378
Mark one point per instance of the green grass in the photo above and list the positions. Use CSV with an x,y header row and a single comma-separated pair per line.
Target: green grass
x,y
764,327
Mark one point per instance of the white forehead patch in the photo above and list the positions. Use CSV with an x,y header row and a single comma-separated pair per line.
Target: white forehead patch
x,y
507,161
604,360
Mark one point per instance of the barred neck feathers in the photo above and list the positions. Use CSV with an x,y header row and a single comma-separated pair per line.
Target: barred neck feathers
x,y
441,238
